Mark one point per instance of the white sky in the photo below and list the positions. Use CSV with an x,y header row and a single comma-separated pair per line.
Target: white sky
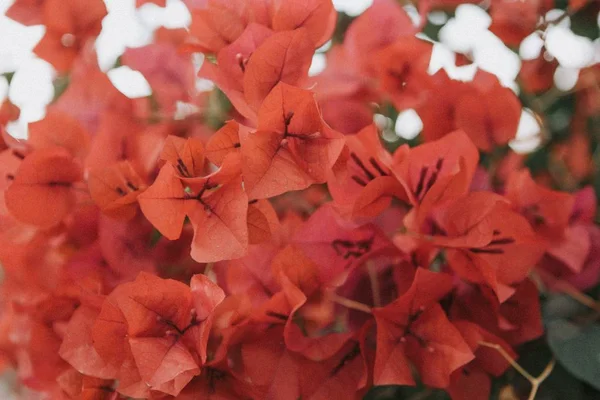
x,y
126,26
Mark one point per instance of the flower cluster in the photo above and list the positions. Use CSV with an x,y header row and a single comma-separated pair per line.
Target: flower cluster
x,y
291,253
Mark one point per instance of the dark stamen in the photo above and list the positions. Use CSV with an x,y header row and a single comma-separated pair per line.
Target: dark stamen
x,y
277,315
182,168
351,355
131,186
18,154
421,182
120,191
487,251
288,118
502,241
54,184
377,167
358,180
236,145
362,166
431,181
439,164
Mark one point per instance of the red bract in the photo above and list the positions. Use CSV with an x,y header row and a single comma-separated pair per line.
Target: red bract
x,y
170,75
318,17
362,40
402,71
362,183
513,22
434,173
485,236
217,23
215,204
146,327
42,191
116,189
472,381
415,328
292,148
250,67
547,210
69,25
488,112
59,129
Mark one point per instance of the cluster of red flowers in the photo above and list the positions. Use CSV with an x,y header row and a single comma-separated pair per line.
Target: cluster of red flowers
x,y
289,254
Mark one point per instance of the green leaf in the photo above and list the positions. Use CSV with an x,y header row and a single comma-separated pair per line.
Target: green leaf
x,y
561,307
577,348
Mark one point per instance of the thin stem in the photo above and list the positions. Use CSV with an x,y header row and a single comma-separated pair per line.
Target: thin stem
x,y
508,358
570,290
534,381
583,298
348,303
374,284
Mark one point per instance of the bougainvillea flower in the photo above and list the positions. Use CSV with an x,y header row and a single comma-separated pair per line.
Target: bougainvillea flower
x,y
537,75
224,141
121,137
228,73
42,192
435,172
217,23
415,328
78,349
148,326
512,22
125,245
572,257
250,67
318,17
362,41
488,242
115,189
9,164
74,385
27,12
402,71
362,183
517,320
489,113
336,245
262,221
473,381
170,74
8,113
292,148
215,204
282,374
186,156
69,25
284,57
90,93
59,129
547,210
301,307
